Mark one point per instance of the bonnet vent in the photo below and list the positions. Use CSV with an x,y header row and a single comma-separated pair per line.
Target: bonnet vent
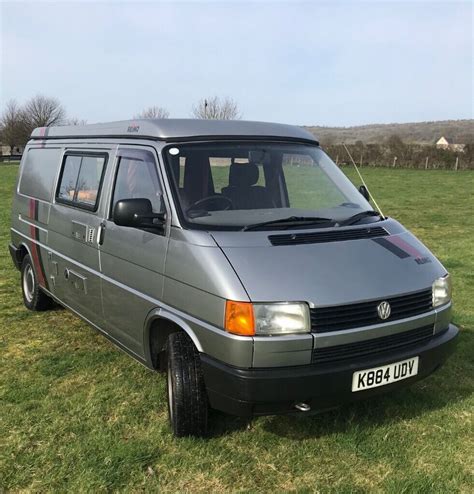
x,y
327,236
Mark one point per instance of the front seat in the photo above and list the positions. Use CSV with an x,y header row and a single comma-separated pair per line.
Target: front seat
x,y
242,190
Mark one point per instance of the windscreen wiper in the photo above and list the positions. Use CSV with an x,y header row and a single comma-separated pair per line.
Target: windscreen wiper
x,y
290,222
356,217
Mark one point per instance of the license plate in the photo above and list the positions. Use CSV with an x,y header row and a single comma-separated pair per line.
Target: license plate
x,y
385,374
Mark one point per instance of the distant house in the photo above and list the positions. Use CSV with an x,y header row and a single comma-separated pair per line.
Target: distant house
x,y
447,143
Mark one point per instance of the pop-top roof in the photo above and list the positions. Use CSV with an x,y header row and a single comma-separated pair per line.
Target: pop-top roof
x,y
176,129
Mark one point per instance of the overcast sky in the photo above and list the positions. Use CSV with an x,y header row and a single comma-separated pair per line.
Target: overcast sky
x,y
322,63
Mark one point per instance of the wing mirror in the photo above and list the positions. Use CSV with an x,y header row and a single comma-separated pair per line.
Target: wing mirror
x,y
363,190
137,213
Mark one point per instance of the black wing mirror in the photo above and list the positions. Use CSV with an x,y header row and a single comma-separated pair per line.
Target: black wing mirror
x,y
363,190
137,213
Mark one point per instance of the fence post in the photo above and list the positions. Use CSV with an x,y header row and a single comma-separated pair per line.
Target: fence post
x,y
337,159
394,161
457,163
426,163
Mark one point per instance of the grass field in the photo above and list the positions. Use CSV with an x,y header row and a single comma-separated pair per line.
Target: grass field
x,y
78,415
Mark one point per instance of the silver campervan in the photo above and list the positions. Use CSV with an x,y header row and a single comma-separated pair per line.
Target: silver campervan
x,y
235,256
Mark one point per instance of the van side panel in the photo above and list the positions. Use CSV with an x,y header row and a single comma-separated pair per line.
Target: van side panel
x,y
31,207
132,263
74,254
198,281
203,266
31,233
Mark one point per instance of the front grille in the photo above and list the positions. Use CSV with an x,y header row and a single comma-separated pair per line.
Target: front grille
x,y
327,236
392,342
336,318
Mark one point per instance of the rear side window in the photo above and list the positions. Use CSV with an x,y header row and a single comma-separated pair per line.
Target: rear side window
x,y
39,172
81,180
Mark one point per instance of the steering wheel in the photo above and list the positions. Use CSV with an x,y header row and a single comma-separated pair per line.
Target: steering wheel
x,y
213,203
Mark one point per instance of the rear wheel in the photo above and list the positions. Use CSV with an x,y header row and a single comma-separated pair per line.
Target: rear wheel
x,y
187,398
33,297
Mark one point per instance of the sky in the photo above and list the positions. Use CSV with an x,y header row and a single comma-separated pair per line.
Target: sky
x,y
337,63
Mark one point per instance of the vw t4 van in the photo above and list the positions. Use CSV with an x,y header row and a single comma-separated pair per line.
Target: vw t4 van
x,y
235,256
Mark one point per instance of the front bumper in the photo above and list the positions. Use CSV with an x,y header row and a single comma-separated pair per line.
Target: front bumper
x,y
268,391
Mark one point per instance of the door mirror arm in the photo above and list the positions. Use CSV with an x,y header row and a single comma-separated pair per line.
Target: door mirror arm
x,y
141,220
153,216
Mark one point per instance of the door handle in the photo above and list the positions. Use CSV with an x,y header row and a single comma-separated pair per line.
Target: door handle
x,y
101,233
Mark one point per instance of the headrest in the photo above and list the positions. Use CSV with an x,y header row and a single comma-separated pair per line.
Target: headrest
x,y
243,174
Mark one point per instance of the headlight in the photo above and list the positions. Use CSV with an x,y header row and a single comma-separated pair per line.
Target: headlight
x,y
442,291
280,319
247,319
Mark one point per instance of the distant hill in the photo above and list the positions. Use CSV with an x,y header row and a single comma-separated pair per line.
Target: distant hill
x,y
461,131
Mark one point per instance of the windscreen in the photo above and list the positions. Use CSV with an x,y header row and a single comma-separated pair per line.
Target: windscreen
x,y
232,185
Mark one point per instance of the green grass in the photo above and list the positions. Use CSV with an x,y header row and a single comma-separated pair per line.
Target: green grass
x,y
78,415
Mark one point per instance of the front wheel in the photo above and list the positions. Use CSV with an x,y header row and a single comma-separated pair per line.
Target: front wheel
x,y
33,297
187,398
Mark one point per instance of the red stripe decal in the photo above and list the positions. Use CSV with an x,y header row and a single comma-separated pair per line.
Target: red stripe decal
x,y
43,132
31,213
35,254
399,242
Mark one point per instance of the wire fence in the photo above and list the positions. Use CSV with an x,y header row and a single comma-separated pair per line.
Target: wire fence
x,y
10,158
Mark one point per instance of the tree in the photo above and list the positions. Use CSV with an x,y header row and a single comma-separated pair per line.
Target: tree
x,y
153,112
12,125
75,121
41,111
215,108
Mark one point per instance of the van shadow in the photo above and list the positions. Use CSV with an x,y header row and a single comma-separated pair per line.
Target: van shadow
x,y
222,424
450,384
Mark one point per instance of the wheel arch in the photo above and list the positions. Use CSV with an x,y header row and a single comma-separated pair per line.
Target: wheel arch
x,y
159,324
23,251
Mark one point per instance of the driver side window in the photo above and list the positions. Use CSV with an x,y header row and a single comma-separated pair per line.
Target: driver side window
x,y
137,178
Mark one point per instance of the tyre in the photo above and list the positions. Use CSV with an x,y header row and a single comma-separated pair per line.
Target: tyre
x,y
33,297
187,398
